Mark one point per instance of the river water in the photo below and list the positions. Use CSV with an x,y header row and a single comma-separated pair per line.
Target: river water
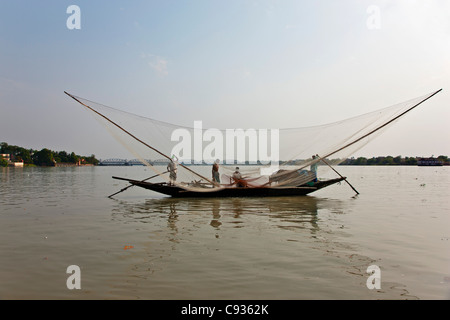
x,y
141,245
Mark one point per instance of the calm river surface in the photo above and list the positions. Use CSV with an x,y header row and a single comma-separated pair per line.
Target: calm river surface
x,y
141,245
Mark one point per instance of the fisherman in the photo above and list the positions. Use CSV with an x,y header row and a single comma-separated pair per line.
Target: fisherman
x,y
172,168
313,168
215,171
237,177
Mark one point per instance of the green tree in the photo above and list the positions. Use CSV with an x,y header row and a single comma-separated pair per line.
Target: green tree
x,y
410,161
3,163
444,159
398,160
73,158
63,156
43,158
25,155
372,161
361,161
387,160
3,147
91,160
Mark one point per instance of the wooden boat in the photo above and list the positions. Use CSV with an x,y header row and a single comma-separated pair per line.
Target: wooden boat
x,y
233,191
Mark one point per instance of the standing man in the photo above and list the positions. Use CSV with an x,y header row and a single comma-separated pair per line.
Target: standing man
x,y
215,171
172,168
314,165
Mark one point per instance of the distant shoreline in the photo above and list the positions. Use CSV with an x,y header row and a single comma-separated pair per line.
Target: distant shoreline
x,y
10,155
16,156
199,165
380,160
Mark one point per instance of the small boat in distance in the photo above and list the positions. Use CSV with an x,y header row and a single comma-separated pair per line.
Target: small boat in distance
x,y
428,162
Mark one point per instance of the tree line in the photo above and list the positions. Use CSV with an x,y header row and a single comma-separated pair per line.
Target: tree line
x,y
43,157
389,160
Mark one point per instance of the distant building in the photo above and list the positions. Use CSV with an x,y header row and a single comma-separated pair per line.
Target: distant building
x,y
429,162
16,164
7,157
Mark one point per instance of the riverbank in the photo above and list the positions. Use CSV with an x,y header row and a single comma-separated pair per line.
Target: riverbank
x,y
10,154
392,161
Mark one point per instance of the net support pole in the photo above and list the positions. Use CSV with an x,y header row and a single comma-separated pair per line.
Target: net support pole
x,y
323,160
122,190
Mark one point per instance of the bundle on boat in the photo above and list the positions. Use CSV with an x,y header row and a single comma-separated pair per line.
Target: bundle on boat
x,y
250,162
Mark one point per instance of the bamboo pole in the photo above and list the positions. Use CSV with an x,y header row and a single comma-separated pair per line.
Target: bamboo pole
x,y
323,160
122,190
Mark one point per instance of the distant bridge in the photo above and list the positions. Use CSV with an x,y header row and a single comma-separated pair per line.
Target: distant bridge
x,y
113,162
122,162
137,162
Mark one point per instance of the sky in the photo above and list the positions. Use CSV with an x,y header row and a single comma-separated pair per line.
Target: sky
x,y
230,64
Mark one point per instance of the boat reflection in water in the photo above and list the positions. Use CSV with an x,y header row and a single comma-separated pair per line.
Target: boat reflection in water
x,y
183,216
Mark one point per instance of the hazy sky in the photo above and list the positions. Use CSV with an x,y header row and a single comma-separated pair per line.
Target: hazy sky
x,y
249,64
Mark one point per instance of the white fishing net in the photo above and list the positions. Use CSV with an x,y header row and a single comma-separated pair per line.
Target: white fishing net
x,y
268,157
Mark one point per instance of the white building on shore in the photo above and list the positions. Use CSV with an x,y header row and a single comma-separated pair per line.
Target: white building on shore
x,y
7,157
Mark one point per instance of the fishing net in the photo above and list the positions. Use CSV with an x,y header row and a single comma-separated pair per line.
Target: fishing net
x,y
267,157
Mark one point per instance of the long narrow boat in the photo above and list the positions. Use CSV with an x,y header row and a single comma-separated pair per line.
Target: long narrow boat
x,y
233,191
